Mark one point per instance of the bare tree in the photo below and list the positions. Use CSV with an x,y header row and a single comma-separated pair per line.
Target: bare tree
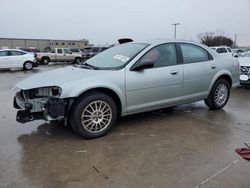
x,y
209,39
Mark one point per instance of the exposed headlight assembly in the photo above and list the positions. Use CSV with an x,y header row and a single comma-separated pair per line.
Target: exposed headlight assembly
x,y
42,92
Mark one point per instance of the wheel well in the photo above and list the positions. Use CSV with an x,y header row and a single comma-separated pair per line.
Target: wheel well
x,y
28,61
108,92
45,57
228,78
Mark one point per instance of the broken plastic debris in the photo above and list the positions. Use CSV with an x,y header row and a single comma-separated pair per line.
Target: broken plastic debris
x,y
81,151
127,134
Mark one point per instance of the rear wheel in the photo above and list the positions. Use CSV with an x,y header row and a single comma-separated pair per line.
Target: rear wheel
x,y
45,60
93,115
219,95
28,65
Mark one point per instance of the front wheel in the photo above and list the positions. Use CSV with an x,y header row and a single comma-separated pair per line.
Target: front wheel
x,y
28,65
219,95
93,115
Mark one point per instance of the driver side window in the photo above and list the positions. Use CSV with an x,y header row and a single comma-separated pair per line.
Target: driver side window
x,y
162,55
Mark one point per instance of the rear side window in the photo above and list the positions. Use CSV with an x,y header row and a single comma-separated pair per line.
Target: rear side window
x,y
3,53
192,53
16,53
221,50
59,51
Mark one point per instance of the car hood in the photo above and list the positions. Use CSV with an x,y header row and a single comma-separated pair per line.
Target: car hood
x,y
244,61
58,77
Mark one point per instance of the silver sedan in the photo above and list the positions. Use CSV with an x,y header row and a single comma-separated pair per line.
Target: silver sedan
x,y
127,79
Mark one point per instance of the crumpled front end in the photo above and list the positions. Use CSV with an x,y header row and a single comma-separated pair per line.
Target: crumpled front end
x,y
39,103
245,75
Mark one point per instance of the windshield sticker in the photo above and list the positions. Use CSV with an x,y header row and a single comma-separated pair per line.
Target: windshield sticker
x,y
121,58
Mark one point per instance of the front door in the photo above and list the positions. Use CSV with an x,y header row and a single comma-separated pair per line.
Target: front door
x,y
158,86
69,56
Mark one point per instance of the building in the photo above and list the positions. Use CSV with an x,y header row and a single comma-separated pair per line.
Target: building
x,y
41,44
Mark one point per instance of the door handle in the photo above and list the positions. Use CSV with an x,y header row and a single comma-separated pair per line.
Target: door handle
x,y
174,72
214,67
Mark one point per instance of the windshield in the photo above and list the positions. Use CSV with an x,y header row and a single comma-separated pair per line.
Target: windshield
x,y
117,56
74,50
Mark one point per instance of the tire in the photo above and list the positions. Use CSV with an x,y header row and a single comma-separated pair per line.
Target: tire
x,y
219,95
28,65
77,60
93,115
45,60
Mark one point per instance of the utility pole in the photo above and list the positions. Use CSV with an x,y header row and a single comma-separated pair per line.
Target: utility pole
x,y
235,36
175,25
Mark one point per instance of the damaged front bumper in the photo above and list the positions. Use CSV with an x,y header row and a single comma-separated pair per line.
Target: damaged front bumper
x,y
45,108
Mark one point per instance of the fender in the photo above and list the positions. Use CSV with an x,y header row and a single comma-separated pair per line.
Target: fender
x,y
220,73
106,85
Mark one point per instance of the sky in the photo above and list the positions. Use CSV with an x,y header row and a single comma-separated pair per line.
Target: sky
x,y
102,22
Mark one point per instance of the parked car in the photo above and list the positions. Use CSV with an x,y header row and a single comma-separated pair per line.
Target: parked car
x,y
33,50
94,51
239,52
85,52
58,55
224,51
12,58
245,69
127,79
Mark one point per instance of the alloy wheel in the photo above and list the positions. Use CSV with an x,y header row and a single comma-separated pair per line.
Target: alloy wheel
x,y
96,116
221,94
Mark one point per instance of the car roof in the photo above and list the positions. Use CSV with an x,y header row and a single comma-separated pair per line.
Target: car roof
x,y
13,50
162,41
155,42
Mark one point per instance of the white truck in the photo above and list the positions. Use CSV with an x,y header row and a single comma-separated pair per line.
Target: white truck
x,y
59,55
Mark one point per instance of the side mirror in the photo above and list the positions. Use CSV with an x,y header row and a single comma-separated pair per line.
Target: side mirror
x,y
143,65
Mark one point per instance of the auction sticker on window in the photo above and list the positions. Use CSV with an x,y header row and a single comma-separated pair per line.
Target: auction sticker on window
x,y
121,58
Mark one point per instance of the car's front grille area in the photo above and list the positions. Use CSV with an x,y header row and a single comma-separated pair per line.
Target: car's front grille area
x,y
245,70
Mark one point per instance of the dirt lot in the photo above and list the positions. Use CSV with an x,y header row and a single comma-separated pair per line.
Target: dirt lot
x,y
187,146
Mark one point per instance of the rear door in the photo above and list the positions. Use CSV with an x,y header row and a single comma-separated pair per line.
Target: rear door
x,y
16,58
199,69
4,59
158,86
